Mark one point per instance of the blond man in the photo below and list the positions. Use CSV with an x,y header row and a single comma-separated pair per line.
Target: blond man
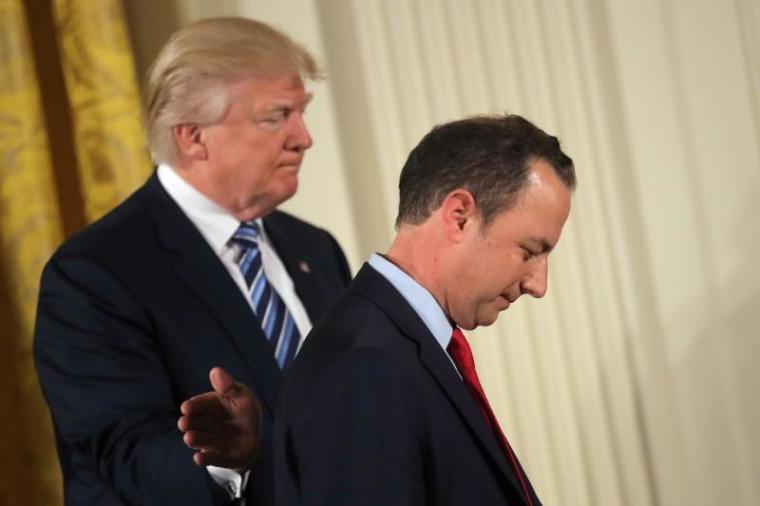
x,y
196,269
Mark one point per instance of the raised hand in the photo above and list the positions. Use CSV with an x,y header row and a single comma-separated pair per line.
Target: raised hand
x,y
222,425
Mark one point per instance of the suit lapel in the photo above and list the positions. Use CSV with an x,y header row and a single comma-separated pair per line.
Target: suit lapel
x,y
199,267
375,287
299,266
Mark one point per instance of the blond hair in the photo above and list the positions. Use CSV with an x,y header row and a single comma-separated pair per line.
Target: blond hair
x,y
188,82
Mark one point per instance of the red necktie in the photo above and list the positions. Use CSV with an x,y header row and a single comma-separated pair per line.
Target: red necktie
x,y
460,353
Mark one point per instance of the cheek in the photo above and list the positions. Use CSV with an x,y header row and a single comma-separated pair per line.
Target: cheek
x,y
493,276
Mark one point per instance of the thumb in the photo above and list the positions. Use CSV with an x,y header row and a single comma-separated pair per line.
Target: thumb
x,y
221,381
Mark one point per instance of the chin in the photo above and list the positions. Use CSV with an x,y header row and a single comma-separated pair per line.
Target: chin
x,y
486,323
289,187
488,320
282,192
466,325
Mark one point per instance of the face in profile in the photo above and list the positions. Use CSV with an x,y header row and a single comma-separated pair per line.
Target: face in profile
x,y
255,151
509,257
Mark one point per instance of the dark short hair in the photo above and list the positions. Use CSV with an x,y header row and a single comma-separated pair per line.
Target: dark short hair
x,y
487,155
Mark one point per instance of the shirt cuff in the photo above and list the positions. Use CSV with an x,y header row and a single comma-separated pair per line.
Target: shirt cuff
x,y
230,480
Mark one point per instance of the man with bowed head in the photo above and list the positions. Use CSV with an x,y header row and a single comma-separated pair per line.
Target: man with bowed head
x,y
196,269
383,404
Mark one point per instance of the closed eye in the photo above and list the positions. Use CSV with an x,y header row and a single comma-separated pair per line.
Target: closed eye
x,y
274,119
535,247
528,253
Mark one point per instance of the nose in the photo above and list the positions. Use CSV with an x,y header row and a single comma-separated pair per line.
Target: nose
x,y
299,138
535,281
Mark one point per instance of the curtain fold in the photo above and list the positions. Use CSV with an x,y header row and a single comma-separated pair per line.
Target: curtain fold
x,y
30,229
71,147
106,118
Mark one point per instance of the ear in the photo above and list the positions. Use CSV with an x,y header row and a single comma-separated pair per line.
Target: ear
x,y
460,214
190,141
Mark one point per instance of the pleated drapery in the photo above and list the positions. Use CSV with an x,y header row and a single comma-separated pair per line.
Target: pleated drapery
x,y
71,147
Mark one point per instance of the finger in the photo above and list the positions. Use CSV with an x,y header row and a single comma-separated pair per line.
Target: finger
x,y
221,381
189,438
188,423
182,424
208,441
203,441
209,402
211,423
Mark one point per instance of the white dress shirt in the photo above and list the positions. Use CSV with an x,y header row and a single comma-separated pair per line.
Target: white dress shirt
x,y
217,226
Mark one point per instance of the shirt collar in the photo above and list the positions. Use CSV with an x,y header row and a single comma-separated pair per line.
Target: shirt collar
x,y
421,300
214,222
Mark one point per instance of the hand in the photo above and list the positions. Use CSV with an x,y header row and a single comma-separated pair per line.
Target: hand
x,y
222,425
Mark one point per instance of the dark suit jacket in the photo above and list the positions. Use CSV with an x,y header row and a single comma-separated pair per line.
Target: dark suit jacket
x,y
374,413
133,312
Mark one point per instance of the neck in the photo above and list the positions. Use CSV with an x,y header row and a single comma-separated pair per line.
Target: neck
x,y
198,179
414,251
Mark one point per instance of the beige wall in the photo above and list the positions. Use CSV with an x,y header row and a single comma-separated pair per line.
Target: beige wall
x,y
633,382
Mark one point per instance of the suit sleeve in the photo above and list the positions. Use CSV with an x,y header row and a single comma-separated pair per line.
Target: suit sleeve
x,y
109,392
354,435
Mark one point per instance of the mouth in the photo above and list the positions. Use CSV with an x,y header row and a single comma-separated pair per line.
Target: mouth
x,y
291,162
505,301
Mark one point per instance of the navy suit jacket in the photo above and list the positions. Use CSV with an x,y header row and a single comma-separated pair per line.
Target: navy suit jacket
x,y
133,313
374,413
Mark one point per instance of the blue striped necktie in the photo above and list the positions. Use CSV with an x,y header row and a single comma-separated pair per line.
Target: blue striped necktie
x,y
270,310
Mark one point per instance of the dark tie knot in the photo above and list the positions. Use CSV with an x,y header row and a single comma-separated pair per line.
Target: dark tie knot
x,y
247,234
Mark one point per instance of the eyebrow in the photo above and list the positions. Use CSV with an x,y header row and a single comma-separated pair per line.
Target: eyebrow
x,y
288,104
543,244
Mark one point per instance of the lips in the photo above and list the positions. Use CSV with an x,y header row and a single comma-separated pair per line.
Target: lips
x,y
292,162
291,166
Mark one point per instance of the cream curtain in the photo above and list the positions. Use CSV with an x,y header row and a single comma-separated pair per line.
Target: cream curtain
x,y
633,382
71,147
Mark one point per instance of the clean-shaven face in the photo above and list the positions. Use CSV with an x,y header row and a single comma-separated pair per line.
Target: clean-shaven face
x,y
510,257
255,151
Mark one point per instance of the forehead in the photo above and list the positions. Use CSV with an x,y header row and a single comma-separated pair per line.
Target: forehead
x,y
541,209
265,90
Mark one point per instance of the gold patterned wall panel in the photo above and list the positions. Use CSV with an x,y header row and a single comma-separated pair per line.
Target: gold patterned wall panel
x,y
29,231
105,107
29,218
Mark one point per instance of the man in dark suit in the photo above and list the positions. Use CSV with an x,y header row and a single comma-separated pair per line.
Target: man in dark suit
x,y
196,269
383,405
